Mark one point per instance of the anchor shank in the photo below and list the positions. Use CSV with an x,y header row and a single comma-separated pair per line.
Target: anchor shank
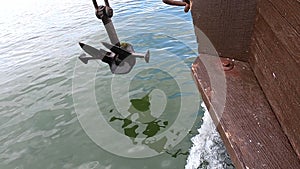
x,y
111,31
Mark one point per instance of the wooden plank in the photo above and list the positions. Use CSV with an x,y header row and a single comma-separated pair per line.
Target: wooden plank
x,y
282,29
249,128
227,24
278,74
290,11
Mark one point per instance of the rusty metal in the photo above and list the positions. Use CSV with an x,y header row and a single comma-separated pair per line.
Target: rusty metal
x,y
227,64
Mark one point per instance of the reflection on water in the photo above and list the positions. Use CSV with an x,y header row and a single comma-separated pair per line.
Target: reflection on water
x,y
39,127
140,108
177,153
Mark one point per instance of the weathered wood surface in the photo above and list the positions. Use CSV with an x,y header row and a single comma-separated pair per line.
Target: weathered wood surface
x,y
228,25
288,9
249,128
275,61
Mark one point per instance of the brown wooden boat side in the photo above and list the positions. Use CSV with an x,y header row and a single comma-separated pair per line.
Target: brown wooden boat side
x,y
248,126
263,37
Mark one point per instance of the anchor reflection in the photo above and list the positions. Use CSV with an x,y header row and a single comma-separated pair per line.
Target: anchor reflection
x,y
141,122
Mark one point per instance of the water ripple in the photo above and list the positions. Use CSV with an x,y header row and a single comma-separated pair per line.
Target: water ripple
x,y
38,51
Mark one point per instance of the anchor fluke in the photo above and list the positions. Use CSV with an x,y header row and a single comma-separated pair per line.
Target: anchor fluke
x,y
120,58
83,59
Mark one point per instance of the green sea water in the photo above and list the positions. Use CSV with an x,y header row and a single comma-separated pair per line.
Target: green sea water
x,y
56,112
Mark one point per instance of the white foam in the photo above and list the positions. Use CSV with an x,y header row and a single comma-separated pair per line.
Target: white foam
x,y
208,150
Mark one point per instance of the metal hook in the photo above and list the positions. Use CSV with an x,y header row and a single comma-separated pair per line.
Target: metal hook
x,y
103,10
96,4
106,3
